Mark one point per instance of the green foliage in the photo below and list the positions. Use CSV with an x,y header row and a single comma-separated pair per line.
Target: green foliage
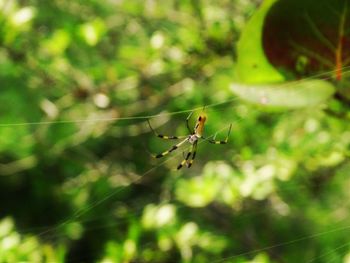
x,y
77,183
15,247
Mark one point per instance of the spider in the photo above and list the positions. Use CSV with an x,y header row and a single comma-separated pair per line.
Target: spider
x,y
193,138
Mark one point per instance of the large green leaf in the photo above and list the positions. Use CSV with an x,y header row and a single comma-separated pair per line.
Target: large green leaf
x,y
252,64
288,95
307,37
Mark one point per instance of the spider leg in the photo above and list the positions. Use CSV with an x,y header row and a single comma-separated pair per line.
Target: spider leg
x,y
222,142
188,124
194,150
185,160
183,155
173,148
165,137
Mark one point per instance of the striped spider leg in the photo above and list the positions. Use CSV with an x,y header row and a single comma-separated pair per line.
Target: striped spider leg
x,y
186,160
197,135
167,137
224,141
193,138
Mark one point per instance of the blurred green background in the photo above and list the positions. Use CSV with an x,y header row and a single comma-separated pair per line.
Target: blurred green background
x,y
81,185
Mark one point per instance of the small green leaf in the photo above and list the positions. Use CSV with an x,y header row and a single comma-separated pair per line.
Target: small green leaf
x,y
289,95
252,64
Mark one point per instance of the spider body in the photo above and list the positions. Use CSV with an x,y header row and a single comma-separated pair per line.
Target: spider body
x,y
195,134
193,138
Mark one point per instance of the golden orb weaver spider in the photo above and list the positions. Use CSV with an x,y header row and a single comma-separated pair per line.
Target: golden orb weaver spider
x,y
195,134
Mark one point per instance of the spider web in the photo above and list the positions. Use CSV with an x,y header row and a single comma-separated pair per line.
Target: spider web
x,y
48,233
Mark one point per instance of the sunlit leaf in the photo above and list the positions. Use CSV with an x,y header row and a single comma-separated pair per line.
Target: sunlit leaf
x,y
92,31
58,43
23,16
289,95
252,64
